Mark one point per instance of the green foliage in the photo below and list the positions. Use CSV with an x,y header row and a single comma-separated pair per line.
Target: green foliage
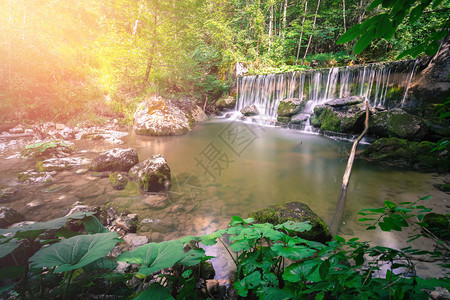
x,y
272,263
43,149
384,25
75,252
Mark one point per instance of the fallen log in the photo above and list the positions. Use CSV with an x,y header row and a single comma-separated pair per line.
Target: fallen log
x,y
340,206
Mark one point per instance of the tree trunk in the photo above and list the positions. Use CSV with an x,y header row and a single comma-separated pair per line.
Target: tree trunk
x,y
340,206
152,52
270,26
284,17
312,31
301,33
343,15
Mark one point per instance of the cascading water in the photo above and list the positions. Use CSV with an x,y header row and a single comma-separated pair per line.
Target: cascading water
x,y
371,81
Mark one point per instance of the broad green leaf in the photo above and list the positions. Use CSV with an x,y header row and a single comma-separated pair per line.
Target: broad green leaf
x,y
247,283
155,292
211,239
374,4
154,256
364,41
187,273
236,220
8,247
340,239
291,226
324,269
102,264
275,293
32,231
415,14
351,34
93,225
292,251
75,252
308,270
389,204
432,48
243,244
194,257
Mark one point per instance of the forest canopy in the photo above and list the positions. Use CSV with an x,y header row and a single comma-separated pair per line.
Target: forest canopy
x,y
60,58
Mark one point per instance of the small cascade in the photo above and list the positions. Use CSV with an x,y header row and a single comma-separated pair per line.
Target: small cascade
x,y
379,83
408,83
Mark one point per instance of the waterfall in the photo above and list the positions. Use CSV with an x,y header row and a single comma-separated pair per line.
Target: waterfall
x,y
372,81
408,83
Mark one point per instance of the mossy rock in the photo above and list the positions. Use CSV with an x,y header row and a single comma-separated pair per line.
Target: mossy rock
x,y
378,124
445,187
226,103
118,180
284,120
297,212
421,156
289,107
328,118
438,224
406,126
353,123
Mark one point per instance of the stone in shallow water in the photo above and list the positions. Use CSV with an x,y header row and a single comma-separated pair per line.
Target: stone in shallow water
x,y
9,216
153,174
116,159
133,240
118,180
250,110
157,200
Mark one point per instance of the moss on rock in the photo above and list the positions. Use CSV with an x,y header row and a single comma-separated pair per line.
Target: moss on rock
x,y
415,155
438,224
118,180
297,212
284,120
327,118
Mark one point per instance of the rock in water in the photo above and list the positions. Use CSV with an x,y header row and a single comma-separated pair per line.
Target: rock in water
x,y
289,107
118,180
158,116
116,159
250,110
157,200
297,212
153,174
9,216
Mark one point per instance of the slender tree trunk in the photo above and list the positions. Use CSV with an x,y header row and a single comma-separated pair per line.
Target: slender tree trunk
x,y
152,52
361,11
343,14
136,23
301,33
284,17
312,31
270,26
340,206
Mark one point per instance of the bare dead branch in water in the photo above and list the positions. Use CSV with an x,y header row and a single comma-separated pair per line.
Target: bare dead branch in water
x,y
340,206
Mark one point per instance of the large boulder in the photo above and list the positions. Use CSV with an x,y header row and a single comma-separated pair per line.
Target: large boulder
x,y
59,164
299,119
378,124
159,116
406,126
9,216
250,110
326,118
116,159
297,212
423,156
153,174
289,107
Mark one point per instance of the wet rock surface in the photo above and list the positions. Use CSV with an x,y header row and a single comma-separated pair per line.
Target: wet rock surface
x,y
158,116
297,212
9,216
250,110
116,159
153,174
